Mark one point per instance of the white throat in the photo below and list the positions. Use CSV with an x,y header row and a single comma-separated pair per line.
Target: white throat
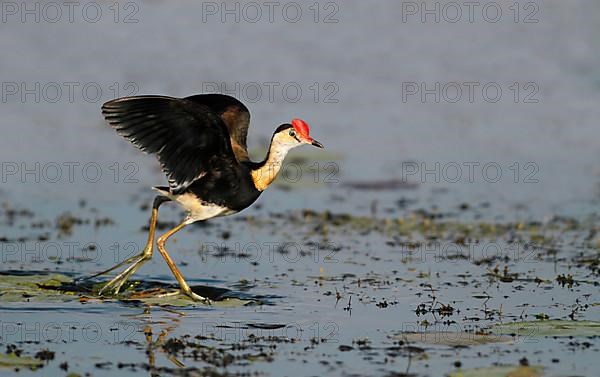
x,y
266,174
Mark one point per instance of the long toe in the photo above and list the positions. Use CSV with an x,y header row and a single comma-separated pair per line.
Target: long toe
x,y
114,286
126,261
196,297
104,289
109,288
117,282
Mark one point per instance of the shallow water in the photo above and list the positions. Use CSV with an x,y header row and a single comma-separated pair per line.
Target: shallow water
x,y
336,293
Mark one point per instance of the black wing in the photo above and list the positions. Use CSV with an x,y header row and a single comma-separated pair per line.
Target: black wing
x,y
189,139
235,115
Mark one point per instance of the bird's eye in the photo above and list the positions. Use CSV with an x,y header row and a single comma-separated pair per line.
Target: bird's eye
x,y
292,133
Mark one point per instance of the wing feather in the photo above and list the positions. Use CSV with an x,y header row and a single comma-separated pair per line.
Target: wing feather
x,y
189,139
234,114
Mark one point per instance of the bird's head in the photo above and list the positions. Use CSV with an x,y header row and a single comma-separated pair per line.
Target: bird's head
x,y
288,136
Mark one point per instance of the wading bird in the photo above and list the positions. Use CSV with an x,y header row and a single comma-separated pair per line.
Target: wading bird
x,y
200,142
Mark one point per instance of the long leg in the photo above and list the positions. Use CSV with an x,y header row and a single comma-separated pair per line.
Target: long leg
x,y
185,288
117,282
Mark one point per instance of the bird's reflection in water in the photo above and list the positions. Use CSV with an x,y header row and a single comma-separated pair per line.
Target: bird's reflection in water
x,y
154,346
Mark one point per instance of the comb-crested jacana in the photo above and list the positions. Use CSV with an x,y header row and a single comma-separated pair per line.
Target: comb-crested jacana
x,y
200,142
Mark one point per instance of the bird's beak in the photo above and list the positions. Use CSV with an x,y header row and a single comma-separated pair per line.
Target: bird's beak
x,y
316,143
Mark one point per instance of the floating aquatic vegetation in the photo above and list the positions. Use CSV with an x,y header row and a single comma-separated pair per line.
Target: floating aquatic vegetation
x,y
17,286
554,328
13,361
500,371
450,338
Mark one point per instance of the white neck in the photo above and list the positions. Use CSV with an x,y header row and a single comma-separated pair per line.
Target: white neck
x,y
264,175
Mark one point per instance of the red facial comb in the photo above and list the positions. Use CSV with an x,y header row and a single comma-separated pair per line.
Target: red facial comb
x,y
301,127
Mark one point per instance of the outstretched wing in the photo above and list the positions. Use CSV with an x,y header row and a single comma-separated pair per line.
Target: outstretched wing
x,y
189,139
235,116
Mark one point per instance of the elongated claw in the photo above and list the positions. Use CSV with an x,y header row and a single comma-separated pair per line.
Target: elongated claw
x,y
114,286
190,294
126,261
197,297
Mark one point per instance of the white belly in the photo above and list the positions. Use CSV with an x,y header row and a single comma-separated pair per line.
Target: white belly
x,y
197,210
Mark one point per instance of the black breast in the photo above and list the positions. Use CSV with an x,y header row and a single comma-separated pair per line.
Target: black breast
x,y
234,192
